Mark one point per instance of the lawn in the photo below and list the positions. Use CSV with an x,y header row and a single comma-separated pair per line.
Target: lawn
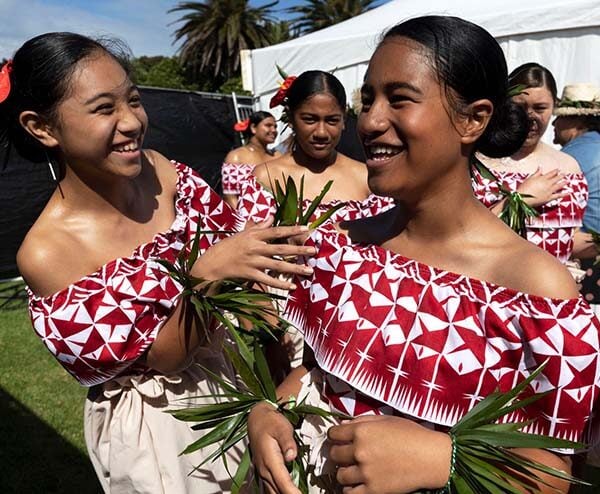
x,y
41,416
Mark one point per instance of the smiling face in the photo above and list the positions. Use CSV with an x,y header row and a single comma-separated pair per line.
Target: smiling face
x,y
101,122
410,140
538,104
318,124
265,131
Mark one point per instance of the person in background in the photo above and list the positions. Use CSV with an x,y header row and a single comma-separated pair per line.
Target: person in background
x,y
577,130
259,131
416,314
99,297
553,179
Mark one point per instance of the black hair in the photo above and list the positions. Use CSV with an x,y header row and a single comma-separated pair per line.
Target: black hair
x,y
533,75
254,119
313,82
40,79
470,65
591,123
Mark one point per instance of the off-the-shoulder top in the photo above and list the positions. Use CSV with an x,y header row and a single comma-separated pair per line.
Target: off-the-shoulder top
x,y
233,175
395,335
100,325
555,226
257,203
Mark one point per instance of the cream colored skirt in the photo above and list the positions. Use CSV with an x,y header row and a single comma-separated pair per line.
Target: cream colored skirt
x,y
135,446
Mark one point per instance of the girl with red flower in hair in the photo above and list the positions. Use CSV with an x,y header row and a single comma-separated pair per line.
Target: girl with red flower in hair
x,y
259,131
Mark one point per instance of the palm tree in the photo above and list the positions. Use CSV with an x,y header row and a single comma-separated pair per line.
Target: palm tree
x,y
318,14
281,31
214,32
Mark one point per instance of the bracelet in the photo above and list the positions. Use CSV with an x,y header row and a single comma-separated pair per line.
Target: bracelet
x,y
448,486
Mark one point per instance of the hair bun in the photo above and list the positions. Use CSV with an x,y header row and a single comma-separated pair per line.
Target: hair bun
x,y
506,131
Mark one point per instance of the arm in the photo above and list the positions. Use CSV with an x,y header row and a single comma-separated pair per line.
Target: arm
x,y
246,255
421,460
272,436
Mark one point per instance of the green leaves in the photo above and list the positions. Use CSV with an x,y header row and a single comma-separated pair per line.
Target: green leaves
x,y
515,212
226,421
290,204
484,462
516,90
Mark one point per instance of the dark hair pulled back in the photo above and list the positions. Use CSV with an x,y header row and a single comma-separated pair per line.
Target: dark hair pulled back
x,y
40,79
470,64
533,75
313,82
254,119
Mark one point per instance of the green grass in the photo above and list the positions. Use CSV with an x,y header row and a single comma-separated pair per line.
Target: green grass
x,y
42,449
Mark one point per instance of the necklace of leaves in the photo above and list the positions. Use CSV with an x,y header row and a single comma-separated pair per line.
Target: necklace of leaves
x,y
482,460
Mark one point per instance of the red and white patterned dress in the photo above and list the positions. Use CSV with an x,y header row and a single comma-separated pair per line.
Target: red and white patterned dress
x,y
257,203
233,175
555,226
100,326
393,335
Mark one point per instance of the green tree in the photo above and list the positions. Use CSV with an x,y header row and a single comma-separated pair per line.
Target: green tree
x,y
318,14
281,31
161,72
214,32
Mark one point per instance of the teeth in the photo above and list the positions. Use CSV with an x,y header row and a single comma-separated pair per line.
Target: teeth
x,y
386,150
127,148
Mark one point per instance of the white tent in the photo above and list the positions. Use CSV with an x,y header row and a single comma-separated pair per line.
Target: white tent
x,y
563,35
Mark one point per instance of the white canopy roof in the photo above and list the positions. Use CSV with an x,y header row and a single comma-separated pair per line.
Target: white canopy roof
x,y
563,35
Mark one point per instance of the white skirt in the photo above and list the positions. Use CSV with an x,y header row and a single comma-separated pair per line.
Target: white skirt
x,y
135,446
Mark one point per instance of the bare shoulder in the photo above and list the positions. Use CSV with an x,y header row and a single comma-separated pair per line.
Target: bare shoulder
x,y
41,259
534,271
238,156
563,161
163,168
352,166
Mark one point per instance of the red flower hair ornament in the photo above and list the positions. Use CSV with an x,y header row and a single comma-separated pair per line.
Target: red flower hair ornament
x,y
281,94
242,126
5,80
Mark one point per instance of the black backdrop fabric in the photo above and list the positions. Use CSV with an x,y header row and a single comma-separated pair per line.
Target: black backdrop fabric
x,y
193,128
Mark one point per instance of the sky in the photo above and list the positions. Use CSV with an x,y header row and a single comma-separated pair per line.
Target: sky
x,y
145,25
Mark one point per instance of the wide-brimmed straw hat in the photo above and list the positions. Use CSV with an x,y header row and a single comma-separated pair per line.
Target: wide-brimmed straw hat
x,y
579,99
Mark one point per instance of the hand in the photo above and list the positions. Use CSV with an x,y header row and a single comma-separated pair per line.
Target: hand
x,y
389,455
248,255
272,443
543,187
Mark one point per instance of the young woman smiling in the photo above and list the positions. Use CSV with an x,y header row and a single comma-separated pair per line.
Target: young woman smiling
x,y
411,317
99,298
260,130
